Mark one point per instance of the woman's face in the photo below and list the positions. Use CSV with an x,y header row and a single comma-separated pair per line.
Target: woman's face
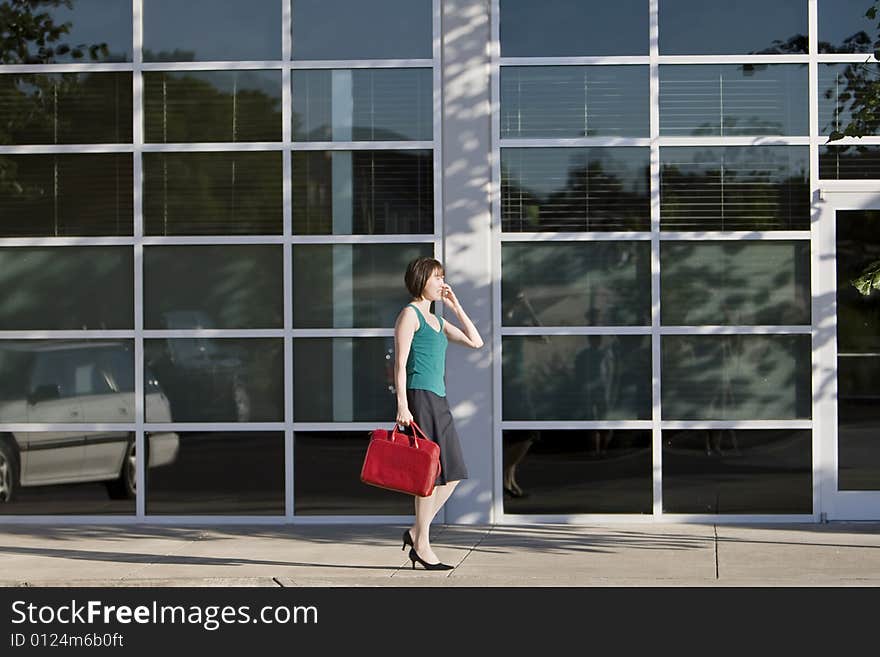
x,y
433,290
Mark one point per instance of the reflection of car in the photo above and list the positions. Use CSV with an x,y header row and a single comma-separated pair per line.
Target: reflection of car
x,y
204,377
75,382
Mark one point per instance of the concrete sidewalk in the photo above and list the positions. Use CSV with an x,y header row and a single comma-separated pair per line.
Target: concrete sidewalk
x,y
370,555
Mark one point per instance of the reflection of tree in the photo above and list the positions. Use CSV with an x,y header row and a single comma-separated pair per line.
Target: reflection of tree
x,y
595,195
33,37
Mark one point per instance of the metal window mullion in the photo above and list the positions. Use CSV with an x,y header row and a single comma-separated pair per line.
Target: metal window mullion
x,y
67,241
576,330
83,334
363,145
213,147
56,149
363,239
736,424
574,237
138,233
571,61
361,63
212,240
497,511
715,236
287,222
217,65
575,142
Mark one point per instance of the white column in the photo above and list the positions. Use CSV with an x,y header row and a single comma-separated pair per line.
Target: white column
x,y
466,148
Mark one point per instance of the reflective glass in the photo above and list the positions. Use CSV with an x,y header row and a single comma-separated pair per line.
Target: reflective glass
x,y
363,104
234,286
575,189
217,473
326,477
572,28
582,471
66,108
363,192
67,472
379,29
205,106
734,99
844,28
79,32
351,285
847,92
66,288
574,101
66,194
576,377
343,379
736,377
737,471
735,283
858,353
216,379
735,188
212,30
67,381
212,193
576,283
853,162
696,27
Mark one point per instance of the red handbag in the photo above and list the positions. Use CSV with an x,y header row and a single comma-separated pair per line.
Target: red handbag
x,y
399,462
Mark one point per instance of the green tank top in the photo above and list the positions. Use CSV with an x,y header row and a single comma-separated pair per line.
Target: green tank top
x,y
426,364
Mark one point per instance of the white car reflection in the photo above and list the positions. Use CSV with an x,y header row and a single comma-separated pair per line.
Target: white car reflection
x,y
77,382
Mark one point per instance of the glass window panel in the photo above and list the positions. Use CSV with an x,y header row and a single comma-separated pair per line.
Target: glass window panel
x,y
380,29
234,286
326,477
574,101
66,108
351,285
216,379
212,193
854,162
735,188
858,357
736,377
735,283
66,194
844,28
576,377
695,27
575,189
205,106
584,471
576,284
363,104
363,192
82,31
737,471
212,30
67,381
734,99
66,288
343,380
572,28
218,473
41,466
848,92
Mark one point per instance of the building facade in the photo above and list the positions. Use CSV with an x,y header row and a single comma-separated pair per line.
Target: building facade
x,y
206,209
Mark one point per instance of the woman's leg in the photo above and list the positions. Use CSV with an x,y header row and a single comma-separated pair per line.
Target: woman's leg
x,y
426,510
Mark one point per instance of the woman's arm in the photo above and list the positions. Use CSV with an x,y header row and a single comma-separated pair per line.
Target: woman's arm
x,y
470,336
404,329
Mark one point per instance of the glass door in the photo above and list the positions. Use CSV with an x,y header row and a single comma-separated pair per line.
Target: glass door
x,y
856,488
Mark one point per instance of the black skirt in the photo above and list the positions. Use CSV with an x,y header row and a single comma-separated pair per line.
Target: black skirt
x,y
431,412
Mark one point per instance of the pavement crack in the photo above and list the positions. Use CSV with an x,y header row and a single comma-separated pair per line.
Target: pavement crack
x,y
472,549
715,530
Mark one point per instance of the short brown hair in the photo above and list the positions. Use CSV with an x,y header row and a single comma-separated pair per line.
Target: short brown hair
x,y
418,272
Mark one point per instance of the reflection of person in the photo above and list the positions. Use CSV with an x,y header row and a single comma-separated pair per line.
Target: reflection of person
x,y
518,443
419,374
597,368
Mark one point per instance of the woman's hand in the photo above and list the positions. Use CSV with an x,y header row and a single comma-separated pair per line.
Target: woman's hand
x,y
404,417
449,298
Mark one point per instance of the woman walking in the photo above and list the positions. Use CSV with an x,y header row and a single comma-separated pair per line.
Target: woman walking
x,y
420,340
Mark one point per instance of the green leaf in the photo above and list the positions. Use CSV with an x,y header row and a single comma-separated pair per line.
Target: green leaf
x,y
835,135
869,279
871,13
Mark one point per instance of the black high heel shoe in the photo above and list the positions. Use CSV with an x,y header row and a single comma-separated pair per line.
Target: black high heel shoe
x,y
407,540
414,556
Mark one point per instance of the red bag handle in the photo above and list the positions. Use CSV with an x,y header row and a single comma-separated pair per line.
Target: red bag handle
x,y
416,428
